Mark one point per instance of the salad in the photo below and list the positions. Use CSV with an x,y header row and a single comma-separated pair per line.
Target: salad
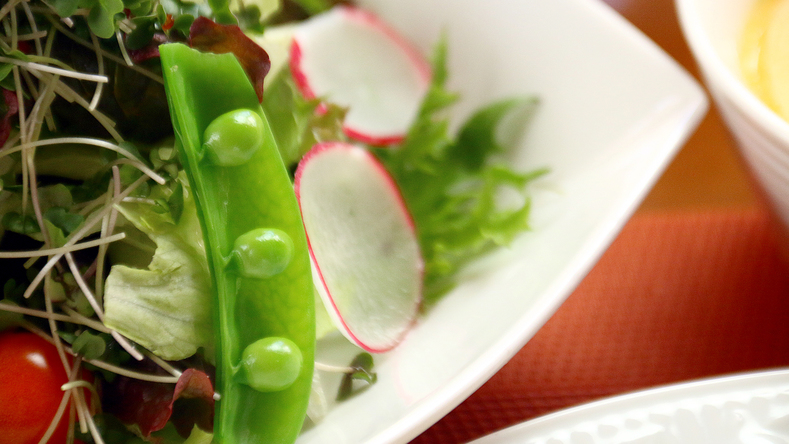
x,y
192,194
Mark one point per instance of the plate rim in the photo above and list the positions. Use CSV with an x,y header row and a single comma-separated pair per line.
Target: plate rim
x,y
677,391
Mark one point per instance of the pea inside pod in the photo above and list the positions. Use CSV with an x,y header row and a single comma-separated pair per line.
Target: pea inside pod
x,y
270,364
233,138
255,243
262,253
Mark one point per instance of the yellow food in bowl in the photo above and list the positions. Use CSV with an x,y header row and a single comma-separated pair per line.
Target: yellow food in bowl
x,y
764,54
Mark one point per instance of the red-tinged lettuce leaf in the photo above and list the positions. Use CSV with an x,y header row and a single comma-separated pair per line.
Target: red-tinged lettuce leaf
x,y
149,406
149,51
208,36
140,403
193,403
9,108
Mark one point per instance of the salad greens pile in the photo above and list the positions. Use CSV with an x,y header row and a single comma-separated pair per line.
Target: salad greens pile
x,y
102,239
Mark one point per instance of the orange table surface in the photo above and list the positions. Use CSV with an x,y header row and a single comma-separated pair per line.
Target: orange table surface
x,y
695,285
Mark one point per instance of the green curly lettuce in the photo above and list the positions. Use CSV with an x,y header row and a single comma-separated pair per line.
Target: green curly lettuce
x,y
452,185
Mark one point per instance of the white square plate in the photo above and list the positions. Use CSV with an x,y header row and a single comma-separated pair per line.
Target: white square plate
x,y
614,111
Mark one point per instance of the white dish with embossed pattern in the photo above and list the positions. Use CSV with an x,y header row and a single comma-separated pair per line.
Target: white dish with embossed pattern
x,y
743,408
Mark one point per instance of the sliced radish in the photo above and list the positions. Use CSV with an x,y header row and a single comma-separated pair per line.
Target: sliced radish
x,y
349,57
365,256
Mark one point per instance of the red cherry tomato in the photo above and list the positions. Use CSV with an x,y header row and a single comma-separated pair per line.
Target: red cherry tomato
x,y
31,374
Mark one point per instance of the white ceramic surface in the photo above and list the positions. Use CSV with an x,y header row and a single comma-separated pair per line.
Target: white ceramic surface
x,y
713,29
748,408
615,109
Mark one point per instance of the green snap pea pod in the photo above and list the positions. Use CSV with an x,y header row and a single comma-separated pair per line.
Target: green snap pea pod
x,y
264,322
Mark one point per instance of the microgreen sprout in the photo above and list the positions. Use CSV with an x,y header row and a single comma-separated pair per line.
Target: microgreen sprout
x,y
357,376
76,234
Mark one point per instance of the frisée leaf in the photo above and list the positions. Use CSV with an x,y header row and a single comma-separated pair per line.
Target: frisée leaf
x,y
452,186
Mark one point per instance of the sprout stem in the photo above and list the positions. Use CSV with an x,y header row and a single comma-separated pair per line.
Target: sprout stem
x,y
8,7
100,61
71,96
56,419
123,342
53,328
131,373
124,53
88,141
105,230
89,224
26,37
98,326
61,250
76,318
333,368
84,286
33,66
32,22
106,54
164,364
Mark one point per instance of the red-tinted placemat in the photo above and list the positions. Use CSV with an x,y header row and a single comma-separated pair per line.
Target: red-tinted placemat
x,y
678,296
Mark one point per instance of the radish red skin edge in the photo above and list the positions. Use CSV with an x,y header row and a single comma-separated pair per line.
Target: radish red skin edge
x,y
354,329
376,27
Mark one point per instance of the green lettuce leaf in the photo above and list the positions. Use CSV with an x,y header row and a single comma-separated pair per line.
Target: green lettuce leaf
x,y
295,124
166,308
453,186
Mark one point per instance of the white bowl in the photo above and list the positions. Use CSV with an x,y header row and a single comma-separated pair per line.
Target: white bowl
x,y
615,109
713,30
